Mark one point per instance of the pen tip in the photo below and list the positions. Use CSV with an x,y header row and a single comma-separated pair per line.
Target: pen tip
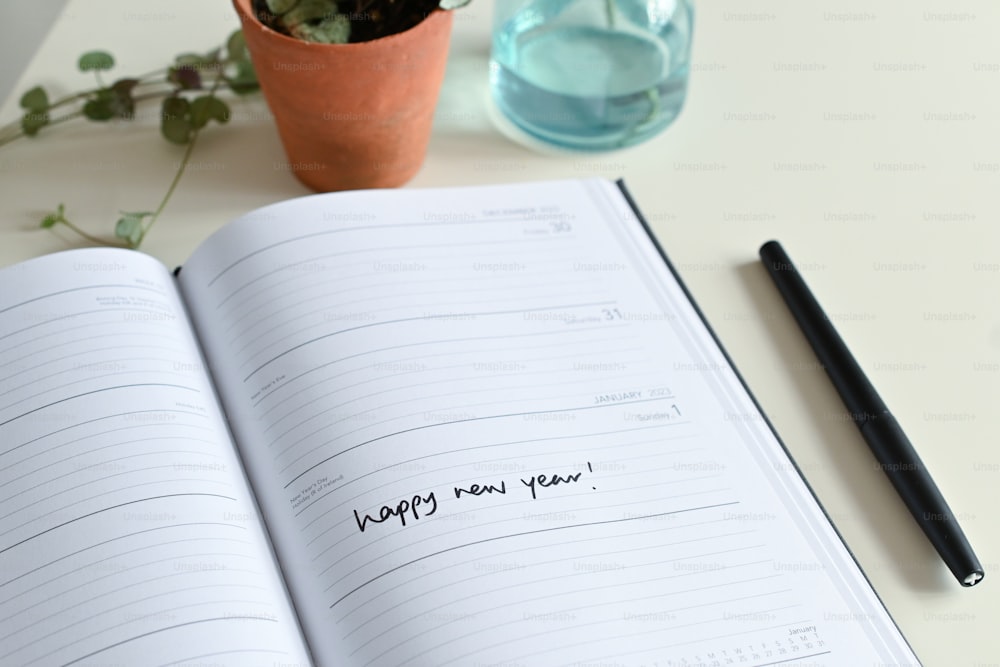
x,y
972,579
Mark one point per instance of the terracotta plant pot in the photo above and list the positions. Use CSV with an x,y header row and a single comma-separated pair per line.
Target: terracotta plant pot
x,y
351,116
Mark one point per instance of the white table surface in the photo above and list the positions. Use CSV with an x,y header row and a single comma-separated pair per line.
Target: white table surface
x,y
865,136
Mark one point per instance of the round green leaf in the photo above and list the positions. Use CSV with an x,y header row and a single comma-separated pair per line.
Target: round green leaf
x,y
33,121
129,228
206,108
175,124
219,110
35,99
99,109
199,112
95,60
176,130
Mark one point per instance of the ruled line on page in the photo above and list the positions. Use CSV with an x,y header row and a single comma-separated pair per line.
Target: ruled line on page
x,y
493,524
460,421
452,379
115,539
417,319
97,391
550,648
474,289
107,509
458,638
92,629
191,658
106,331
430,310
453,407
102,434
166,629
480,292
91,379
311,260
512,535
365,228
87,422
36,381
140,583
74,315
119,554
117,489
645,598
449,341
414,359
588,541
103,325
794,658
73,290
451,566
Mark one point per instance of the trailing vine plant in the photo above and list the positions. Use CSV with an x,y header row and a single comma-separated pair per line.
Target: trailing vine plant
x,y
188,94
188,90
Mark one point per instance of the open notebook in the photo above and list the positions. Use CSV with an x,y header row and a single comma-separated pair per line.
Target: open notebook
x,y
468,426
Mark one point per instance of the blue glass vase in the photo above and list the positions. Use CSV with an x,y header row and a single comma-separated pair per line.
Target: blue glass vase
x,y
591,74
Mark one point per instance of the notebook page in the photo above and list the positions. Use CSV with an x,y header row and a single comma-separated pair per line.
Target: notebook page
x,y
127,532
486,427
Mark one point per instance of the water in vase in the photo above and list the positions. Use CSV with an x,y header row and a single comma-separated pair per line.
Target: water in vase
x,y
592,74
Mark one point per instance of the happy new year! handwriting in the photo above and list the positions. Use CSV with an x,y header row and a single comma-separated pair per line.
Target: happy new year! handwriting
x,y
413,508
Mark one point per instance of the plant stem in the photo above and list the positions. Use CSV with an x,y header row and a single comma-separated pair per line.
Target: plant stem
x,y
63,101
10,132
609,9
90,237
63,119
177,176
173,186
13,131
153,217
157,72
158,95
159,82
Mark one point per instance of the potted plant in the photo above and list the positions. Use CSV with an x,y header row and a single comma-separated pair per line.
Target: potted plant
x,y
353,109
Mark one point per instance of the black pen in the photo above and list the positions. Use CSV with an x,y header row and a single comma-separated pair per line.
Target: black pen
x,y
879,428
